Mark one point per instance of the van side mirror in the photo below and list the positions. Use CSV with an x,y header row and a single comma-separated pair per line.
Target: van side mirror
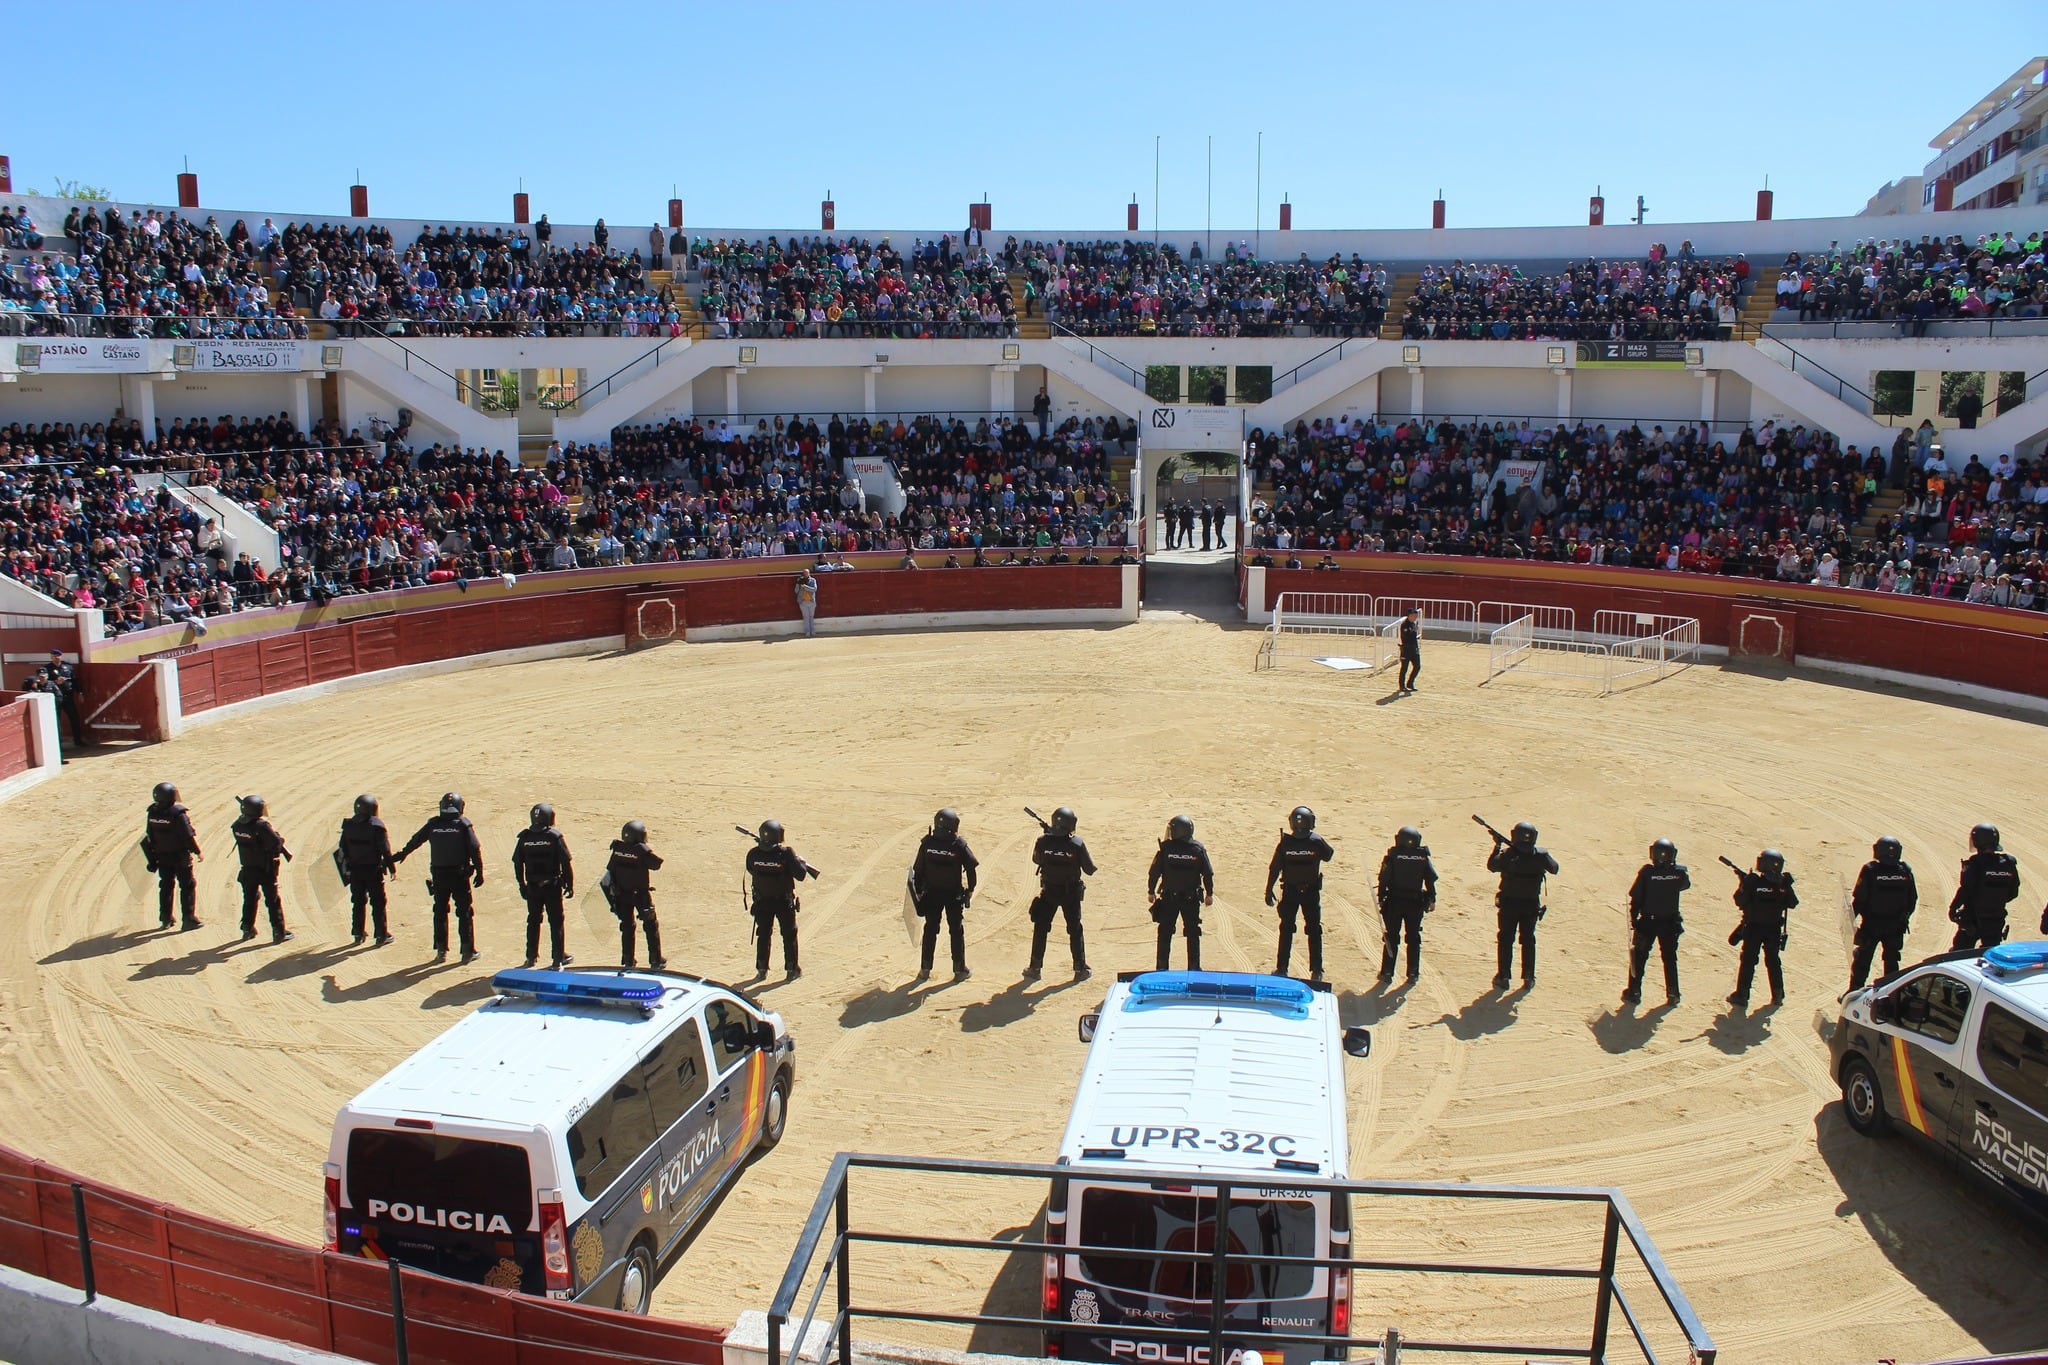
x,y
1088,1026
764,1037
1358,1041
1882,1010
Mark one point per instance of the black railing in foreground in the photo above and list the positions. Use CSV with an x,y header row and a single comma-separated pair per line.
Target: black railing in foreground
x,y
789,1324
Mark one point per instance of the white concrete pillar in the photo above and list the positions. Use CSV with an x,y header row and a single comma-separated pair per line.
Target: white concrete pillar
x,y
1710,394
732,391
867,388
1564,394
138,400
1002,388
1415,391
301,393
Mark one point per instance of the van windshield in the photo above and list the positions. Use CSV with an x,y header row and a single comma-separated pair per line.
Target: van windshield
x,y
456,1206
1146,1220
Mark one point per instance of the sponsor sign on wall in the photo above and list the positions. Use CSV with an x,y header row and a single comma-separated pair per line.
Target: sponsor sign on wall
x,y
1192,427
260,356
81,355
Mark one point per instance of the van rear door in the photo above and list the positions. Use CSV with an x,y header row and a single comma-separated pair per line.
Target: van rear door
x,y
2002,1120
678,1084
460,1207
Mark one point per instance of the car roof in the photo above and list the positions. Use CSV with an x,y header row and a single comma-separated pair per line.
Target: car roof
x,y
2015,973
1213,1062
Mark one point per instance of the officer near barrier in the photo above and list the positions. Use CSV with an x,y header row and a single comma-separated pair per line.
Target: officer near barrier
x,y
1411,649
1766,899
1062,861
1883,904
774,869
1180,882
1990,881
64,686
1407,892
260,847
1297,865
1654,920
632,893
455,863
1522,866
363,856
942,881
169,847
542,868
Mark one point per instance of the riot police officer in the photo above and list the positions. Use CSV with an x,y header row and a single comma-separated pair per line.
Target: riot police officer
x,y
1522,867
455,860
1180,882
169,846
1990,881
542,868
1765,897
1883,904
775,869
1407,892
942,881
364,856
1297,864
260,846
632,893
1654,919
1062,861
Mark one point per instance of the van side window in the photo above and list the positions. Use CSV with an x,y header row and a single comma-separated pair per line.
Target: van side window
x,y
732,1033
2014,1055
675,1075
611,1137
1934,1006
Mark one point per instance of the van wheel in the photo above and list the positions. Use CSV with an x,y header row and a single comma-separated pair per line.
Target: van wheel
x,y
636,1282
776,1118
1862,1100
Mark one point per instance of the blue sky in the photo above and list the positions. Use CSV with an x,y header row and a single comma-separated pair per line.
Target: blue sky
x,y
907,112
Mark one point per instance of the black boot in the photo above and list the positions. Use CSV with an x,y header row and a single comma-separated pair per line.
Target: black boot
x,y
1286,953
1165,958
653,932
1315,957
1080,950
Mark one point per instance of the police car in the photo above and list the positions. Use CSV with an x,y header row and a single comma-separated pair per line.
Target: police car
x,y
1955,1051
1225,1073
564,1137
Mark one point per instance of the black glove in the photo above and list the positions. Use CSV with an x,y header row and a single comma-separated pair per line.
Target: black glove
x,y
477,878
569,890
1269,896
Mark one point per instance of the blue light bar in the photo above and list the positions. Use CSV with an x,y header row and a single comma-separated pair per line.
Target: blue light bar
x,y
2018,957
1237,988
579,988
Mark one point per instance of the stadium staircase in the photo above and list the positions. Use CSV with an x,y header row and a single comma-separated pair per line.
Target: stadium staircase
x,y
1761,303
1033,328
693,321
1884,505
1399,290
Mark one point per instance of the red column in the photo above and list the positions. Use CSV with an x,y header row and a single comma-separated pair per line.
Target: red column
x,y
1763,206
519,209
1596,211
675,213
1436,213
359,201
1286,216
188,190
828,215
1944,195
6,177
1131,216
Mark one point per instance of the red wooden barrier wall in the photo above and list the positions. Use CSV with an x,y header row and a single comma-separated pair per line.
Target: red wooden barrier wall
x,y
17,723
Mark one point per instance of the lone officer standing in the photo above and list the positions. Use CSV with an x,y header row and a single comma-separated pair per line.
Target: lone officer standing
x,y
541,867
1062,861
260,846
1990,881
807,601
1297,864
1522,867
364,856
169,845
942,881
1407,892
1765,897
1180,882
1883,903
1411,649
632,893
775,869
455,861
1654,919
64,687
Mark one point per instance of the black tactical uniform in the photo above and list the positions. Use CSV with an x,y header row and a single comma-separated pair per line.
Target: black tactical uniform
x,y
1407,892
169,844
775,869
1883,903
1990,881
1297,864
1654,919
942,881
1411,652
632,894
1522,867
260,847
1765,897
1180,882
541,866
455,859
364,857
1062,861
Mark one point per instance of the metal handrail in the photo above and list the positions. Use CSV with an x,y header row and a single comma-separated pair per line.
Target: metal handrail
x,y
1096,354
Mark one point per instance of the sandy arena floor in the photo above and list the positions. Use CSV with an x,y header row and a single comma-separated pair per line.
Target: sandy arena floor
x,y
209,1074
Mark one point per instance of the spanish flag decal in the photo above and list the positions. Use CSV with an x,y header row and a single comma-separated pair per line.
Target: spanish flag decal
x,y
1909,1093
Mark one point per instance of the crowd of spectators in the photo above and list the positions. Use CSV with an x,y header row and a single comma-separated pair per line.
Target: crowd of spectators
x,y
846,286
1664,296
1914,283
1132,288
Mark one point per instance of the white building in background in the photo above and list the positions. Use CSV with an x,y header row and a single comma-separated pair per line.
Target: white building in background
x,y
1900,196
1996,153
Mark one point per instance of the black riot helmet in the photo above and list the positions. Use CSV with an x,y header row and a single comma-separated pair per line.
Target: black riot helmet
x,y
1524,835
1770,862
770,833
1408,837
164,794
1301,820
366,806
1064,820
252,807
1887,850
1663,853
1984,838
946,822
634,833
451,804
1180,829
542,816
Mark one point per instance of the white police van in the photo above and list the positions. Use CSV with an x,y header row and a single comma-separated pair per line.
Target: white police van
x,y
1224,1073
564,1137
1955,1051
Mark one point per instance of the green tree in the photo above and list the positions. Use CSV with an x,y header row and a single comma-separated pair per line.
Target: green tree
x,y
72,189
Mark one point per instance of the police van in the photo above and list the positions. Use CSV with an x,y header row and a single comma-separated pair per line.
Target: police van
x,y
1955,1051
1205,1073
564,1137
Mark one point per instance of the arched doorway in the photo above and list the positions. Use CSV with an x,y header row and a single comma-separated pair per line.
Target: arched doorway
x,y
1184,484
